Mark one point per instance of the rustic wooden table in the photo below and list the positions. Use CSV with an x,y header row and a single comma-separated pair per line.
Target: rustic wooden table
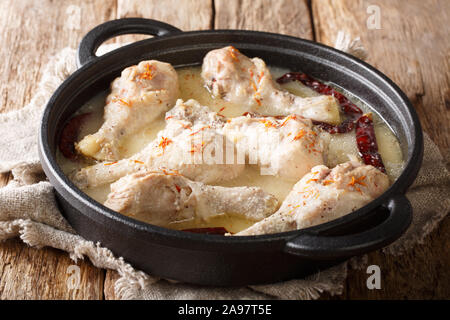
x,y
410,43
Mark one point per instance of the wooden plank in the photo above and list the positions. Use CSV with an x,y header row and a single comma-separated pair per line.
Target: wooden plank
x,y
110,281
152,9
30,32
412,48
185,15
28,273
291,17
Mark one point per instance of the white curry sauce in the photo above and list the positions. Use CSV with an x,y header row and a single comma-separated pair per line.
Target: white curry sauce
x,y
192,87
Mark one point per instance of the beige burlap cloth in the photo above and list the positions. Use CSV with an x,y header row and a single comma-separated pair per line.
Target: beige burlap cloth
x,y
28,210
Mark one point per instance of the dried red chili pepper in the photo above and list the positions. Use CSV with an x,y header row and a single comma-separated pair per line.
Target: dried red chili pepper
x,y
365,133
69,135
367,142
215,230
351,111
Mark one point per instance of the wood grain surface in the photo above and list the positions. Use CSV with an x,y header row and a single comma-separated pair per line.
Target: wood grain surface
x,y
411,47
290,17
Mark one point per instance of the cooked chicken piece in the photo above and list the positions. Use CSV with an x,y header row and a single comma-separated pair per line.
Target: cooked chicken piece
x,y
165,198
234,77
323,195
286,147
137,97
191,143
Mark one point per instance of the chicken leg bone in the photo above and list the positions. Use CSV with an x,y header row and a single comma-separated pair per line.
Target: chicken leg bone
x,y
137,97
168,197
234,77
323,195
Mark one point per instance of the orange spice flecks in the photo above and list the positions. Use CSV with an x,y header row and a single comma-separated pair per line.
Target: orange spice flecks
x,y
137,161
267,123
219,112
164,142
307,193
299,135
260,77
122,101
314,180
257,99
291,117
171,172
256,95
186,126
327,182
234,53
148,73
110,163
293,209
359,181
198,147
205,127
352,182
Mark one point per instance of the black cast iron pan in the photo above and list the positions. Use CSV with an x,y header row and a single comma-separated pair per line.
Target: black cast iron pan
x,y
217,260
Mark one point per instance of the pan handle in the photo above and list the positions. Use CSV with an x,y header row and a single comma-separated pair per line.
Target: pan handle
x,y
321,247
94,38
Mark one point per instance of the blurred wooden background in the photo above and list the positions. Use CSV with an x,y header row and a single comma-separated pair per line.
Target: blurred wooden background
x,y
410,44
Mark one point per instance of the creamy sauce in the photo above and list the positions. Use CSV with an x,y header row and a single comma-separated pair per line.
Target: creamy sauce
x,y
191,86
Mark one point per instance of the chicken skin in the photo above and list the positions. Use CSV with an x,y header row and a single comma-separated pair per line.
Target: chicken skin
x,y
168,197
230,75
322,195
286,147
138,96
191,143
